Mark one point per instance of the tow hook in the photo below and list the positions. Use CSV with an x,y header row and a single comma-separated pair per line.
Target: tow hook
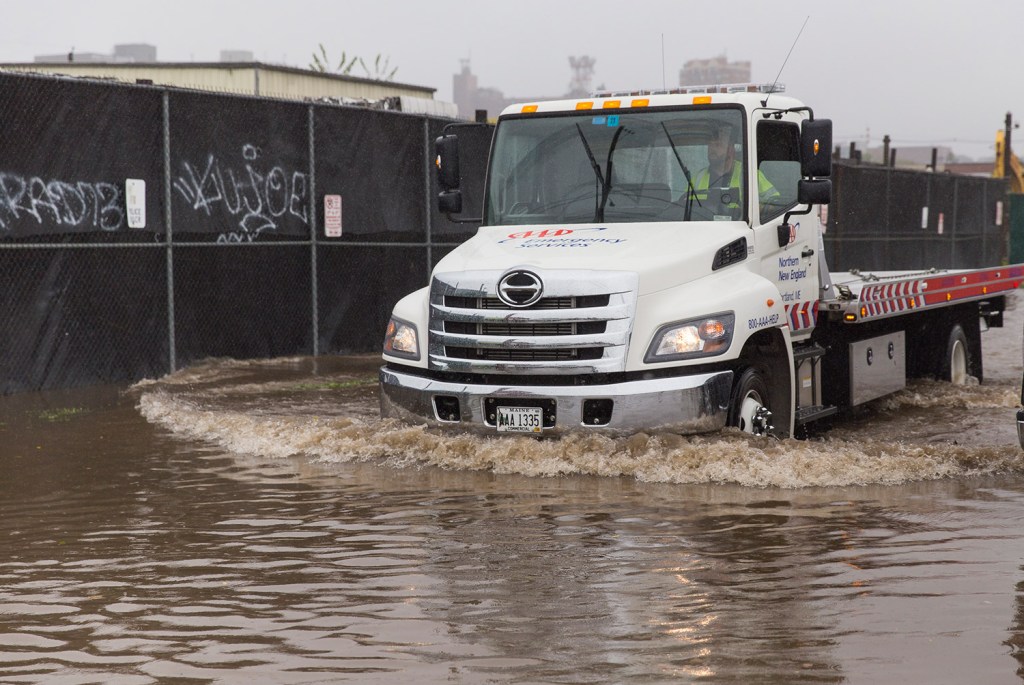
x,y
761,422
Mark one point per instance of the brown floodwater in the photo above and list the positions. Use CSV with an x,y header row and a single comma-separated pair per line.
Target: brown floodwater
x,y
255,522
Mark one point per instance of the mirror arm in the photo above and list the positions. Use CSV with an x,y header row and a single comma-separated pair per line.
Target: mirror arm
x,y
784,226
471,220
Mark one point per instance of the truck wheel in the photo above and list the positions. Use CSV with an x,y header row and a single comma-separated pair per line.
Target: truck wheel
x,y
749,409
957,360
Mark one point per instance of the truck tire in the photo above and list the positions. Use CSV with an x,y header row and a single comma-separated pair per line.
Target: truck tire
x,y
956,362
749,410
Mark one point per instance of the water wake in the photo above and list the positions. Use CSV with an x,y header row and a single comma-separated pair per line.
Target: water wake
x,y
728,457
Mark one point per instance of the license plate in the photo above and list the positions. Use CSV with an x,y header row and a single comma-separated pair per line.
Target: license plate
x,y
520,419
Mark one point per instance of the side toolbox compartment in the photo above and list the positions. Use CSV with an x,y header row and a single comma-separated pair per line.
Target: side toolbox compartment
x,y
878,367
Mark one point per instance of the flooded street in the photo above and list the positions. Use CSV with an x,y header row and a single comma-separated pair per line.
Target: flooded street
x,y
254,522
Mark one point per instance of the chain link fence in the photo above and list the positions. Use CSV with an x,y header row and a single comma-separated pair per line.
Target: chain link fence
x,y
884,219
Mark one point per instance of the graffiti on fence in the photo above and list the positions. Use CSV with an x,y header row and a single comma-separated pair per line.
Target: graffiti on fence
x,y
261,197
56,203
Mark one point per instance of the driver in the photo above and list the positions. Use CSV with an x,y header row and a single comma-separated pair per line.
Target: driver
x,y
724,173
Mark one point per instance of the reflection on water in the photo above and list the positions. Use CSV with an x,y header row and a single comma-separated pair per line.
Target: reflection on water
x,y
251,522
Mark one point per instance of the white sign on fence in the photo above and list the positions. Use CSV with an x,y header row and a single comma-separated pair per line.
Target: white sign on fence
x,y
332,216
135,202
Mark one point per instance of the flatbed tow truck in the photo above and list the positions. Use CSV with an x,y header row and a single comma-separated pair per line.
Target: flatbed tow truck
x,y
654,261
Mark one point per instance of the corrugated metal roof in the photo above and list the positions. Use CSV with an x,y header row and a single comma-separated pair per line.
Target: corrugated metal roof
x,y
256,78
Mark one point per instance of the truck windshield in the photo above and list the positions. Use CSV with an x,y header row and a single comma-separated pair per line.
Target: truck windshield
x,y
648,165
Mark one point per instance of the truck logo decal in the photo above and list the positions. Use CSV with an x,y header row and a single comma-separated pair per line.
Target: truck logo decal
x,y
548,233
520,288
559,237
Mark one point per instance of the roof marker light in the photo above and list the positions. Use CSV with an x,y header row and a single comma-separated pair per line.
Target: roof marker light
x,y
641,102
584,105
612,104
529,109
702,100
713,88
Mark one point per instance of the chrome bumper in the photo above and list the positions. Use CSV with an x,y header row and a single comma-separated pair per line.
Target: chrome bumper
x,y
682,404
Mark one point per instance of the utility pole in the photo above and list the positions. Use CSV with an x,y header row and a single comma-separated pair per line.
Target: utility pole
x,y
1006,145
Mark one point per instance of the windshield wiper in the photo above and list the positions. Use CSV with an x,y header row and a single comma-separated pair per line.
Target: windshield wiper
x,y
605,179
598,203
599,215
691,194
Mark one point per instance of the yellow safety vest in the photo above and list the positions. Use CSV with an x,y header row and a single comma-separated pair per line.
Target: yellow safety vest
x,y
765,189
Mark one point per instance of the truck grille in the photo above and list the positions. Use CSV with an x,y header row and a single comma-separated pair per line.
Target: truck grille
x,y
573,329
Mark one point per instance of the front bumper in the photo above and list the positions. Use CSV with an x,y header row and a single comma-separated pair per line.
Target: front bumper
x,y
681,404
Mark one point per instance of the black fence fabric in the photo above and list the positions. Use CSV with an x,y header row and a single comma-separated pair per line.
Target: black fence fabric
x,y
144,228
884,219
66,148
239,172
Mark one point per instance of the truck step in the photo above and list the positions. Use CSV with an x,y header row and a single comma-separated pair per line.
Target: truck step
x,y
812,351
805,415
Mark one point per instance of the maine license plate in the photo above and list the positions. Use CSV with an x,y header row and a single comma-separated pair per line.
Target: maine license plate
x,y
520,419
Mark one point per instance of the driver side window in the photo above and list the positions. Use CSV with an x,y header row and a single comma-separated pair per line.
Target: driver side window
x,y
778,167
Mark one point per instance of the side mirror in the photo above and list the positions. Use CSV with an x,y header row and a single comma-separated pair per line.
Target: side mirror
x,y
816,192
447,162
816,148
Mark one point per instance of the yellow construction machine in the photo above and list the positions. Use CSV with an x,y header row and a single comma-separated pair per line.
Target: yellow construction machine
x,y
1011,168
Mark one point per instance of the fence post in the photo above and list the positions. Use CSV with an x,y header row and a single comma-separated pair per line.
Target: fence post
x,y
169,235
954,261
886,252
426,194
314,277
984,225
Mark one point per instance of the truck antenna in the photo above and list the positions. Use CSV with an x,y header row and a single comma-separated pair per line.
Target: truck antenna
x,y
764,103
663,61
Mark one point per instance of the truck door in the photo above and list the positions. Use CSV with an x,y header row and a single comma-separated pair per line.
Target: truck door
x,y
793,265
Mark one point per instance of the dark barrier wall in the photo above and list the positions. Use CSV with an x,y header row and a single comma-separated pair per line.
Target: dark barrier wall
x,y
227,251
240,169
65,149
884,219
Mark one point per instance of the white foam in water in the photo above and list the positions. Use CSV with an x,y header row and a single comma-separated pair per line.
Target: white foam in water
x,y
727,457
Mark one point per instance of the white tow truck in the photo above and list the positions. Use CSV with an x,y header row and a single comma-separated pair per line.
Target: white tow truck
x,y
654,262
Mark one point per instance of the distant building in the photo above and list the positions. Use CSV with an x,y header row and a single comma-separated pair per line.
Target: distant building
x,y
236,56
237,73
72,56
912,156
135,52
470,97
127,52
701,72
137,64
983,169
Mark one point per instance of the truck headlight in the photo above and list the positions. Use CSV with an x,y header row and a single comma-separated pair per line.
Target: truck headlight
x,y
400,340
703,337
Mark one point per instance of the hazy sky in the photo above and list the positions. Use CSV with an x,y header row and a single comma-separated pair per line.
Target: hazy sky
x,y
925,72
